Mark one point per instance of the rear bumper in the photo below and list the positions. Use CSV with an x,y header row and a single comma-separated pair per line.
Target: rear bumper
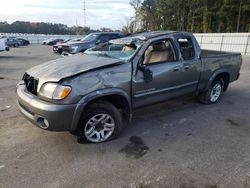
x,y
45,115
238,76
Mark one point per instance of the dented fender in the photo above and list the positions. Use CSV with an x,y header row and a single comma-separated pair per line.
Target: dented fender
x,y
98,94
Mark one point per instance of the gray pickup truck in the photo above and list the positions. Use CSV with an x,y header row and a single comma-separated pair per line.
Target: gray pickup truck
x,y
92,94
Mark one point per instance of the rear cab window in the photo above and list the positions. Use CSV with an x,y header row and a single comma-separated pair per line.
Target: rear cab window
x,y
186,47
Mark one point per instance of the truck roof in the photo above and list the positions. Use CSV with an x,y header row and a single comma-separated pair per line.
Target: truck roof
x,y
153,34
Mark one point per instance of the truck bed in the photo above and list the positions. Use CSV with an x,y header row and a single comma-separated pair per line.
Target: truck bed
x,y
213,53
214,61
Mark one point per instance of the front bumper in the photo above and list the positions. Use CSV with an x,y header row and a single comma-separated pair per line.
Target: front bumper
x,y
53,117
64,54
57,50
67,51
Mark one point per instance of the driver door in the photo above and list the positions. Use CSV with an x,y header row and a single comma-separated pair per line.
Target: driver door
x,y
161,60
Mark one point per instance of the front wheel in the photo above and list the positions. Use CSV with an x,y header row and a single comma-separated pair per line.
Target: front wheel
x,y
100,122
214,93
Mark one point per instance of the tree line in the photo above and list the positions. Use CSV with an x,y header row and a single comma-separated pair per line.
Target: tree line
x,y
45,28
198,16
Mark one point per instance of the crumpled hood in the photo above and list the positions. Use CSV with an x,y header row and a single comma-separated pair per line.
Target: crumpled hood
x,y
58,69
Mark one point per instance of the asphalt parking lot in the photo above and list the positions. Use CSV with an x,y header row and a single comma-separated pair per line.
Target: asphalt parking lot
x,y
180,143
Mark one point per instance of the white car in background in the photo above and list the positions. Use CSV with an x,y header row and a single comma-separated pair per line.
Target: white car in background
x,y
3,45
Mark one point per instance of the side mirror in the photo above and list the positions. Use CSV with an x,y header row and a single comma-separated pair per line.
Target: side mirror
x,y
147,73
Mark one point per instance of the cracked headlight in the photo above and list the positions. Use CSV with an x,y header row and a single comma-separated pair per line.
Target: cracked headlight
x,y
54,91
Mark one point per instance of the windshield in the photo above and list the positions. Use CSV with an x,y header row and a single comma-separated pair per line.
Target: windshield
x,y
90,37
123,49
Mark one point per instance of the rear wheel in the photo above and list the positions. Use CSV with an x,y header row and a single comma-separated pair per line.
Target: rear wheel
x,y
214,93
100,122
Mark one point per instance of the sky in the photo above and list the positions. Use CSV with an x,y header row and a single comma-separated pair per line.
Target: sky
x,y
99,13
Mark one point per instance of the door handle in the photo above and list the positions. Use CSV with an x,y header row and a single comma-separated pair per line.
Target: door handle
x,y
176,69
186,67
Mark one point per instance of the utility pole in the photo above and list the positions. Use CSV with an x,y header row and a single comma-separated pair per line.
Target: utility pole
x,y
84,12
239,16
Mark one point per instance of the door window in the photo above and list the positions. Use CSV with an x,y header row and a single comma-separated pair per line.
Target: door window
x,y
186,48
159,52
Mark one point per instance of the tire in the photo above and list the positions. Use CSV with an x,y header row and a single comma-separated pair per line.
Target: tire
x,y
98,117
214,93
16,45
75,133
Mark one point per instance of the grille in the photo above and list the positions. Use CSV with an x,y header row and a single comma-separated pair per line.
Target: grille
x,y
30,83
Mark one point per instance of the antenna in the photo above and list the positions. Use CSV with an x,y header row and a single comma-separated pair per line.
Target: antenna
x,y
84,12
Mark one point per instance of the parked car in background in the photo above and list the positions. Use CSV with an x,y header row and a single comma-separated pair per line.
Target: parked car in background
x,y
13,42
64,41
89,41
57,48
93,93
23,42
54,41
3,45
45,41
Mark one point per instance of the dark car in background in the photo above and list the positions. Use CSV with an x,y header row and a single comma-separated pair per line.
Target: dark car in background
x,y
46,41
53,42
23,42
89,41
13,42
57,48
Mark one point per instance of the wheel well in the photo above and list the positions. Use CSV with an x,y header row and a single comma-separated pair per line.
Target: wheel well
x,y
225,77
119,101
